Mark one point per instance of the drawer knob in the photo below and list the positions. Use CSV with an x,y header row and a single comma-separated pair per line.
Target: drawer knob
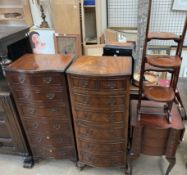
x,y
31,111
27,95
47,80
50,150
50,96
35,125
39,139
56,126
21,80
53,110
111,85
48,138
84,83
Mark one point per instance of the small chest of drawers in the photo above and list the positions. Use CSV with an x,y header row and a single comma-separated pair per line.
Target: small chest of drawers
x,y
153,135
99,90
39,87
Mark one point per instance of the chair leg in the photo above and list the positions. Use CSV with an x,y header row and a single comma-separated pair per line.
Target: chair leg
x,y
172,162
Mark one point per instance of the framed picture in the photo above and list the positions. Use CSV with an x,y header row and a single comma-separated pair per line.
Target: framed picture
x,y
67,44
42,41
180,5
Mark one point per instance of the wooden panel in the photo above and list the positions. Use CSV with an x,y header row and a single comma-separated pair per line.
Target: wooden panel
x,y
66,16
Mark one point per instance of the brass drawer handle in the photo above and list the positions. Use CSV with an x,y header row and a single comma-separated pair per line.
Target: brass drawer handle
x,y
50,96
39,139
53,110
21,80
48,138
47,80
32,111
112,101
84,83
35,125
111,85
56,126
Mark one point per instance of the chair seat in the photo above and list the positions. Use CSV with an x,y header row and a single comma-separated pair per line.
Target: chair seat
x,y
159,93
164,61
163,36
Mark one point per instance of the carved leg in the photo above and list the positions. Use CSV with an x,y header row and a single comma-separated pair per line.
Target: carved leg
x,y
80,165
28,162
172,162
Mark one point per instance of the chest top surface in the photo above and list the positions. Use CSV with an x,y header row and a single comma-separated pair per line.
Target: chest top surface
x,y
41,62
156,121
101,66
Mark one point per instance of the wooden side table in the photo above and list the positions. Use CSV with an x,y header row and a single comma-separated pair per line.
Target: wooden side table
x,y
153,135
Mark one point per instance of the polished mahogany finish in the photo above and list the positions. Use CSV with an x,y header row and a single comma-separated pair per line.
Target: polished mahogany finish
x,y
39,87
164,61
12,141
153,135
99,90
161,94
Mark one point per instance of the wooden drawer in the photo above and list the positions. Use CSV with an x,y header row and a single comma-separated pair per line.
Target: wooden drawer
x,y
101,117
54,153
4,132
42,79
52,139
102,160
99,133
43,125
101,148
105,83
100,101
53,111
47,97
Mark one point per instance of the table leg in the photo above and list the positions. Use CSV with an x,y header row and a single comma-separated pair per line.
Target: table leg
x,y
172,161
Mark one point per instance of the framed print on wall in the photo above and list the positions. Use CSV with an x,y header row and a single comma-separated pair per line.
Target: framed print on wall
x,y
180,5
67,44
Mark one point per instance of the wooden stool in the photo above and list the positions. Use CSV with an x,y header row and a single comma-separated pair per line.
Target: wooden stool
x,y
153,135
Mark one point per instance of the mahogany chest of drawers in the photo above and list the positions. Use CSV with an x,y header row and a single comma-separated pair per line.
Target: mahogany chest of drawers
x,y
39,88
12,141
153,135
99,90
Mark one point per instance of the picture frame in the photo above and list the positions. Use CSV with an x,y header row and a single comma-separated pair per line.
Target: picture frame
x,y
179,5
67,44
42,40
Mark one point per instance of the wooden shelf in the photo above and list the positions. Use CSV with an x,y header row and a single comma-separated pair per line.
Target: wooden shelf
x,y
164,61
159,93
163,36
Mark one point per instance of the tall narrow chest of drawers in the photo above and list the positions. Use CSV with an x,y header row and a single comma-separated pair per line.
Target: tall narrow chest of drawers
x,y
99,90
39,88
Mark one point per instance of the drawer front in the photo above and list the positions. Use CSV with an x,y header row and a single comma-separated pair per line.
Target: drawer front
x,y
48,96
50,152
7,142
101,148
99,133
56,140
42,79
31,111
100,101
106,83
4,132
42,125
101,117
102,160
